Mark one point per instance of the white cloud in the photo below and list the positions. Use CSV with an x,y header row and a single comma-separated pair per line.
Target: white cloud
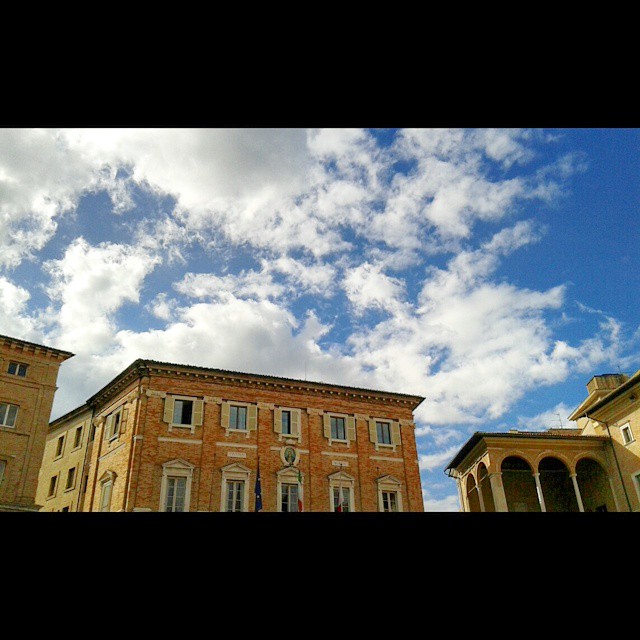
x,y
14,316
555,418
433,461
366,286
447,504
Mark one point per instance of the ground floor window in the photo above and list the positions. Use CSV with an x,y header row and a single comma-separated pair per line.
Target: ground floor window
x,y
235,495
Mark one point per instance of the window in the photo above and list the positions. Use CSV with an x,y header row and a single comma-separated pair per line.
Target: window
x,y
338,504
3,466
175,492
384,432
182,411
286,423
8,414
71,478
86,482
114,423
92,433
105,496
52,486
289,497
78,438
337,429
341,496
389,494
18,369
627,436
237,417
235,495
389,501
60,446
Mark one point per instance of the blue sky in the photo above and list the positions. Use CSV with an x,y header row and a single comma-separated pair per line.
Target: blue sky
x,y
492,271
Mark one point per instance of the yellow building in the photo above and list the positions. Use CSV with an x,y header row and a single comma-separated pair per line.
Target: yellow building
x,y
593,467
62,475
28,376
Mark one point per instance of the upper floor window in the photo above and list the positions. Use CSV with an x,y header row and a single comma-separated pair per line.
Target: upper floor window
x,y
60,446
115,423
71,478
286,422
184,412
389,494
384,432
289,497
107,481
175,490
78,438
53,483
627,436
237,417
17,369
341,499
8,414
389,501
341,496
337,429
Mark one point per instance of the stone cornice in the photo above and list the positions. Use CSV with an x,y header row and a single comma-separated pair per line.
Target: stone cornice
x,y
23,346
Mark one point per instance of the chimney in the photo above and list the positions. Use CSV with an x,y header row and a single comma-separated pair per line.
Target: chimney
x,y
607,381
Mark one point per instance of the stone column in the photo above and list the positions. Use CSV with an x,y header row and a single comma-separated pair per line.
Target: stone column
x,y
536,477
499,499
480,498
574,478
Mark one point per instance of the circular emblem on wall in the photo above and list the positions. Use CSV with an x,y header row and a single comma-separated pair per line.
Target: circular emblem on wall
x,y
289,455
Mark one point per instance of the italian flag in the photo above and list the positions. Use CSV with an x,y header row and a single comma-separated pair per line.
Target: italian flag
x,y
299,491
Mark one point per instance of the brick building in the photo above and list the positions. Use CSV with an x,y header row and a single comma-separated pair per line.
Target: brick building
x,y
28,376
594,466
169,437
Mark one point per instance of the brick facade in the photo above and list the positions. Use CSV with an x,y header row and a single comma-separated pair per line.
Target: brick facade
x,y
133,459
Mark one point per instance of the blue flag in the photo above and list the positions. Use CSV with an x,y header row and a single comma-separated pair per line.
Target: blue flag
x,y
258,490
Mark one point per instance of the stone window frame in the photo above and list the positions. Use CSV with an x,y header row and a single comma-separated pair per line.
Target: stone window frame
x,y
394,427
17,371
389,484
123,412
62,438
79,429
197,412
52,493
288,475
107,481
632,439
252,416
72,486
296,419
349,427
347,481
176,468
4,425
235,472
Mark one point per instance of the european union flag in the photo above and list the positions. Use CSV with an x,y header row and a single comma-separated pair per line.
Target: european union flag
x,y
258,490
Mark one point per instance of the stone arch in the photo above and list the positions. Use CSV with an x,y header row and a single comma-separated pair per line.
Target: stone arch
x,y
594,485
557,487
485,487
519,484
473,499
549,453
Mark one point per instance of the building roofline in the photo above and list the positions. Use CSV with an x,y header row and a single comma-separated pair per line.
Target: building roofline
x,y
142,366
540,435
36,346
599,404
54,424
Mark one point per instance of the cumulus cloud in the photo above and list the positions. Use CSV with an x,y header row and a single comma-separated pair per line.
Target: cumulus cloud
x,y
432,461
554,418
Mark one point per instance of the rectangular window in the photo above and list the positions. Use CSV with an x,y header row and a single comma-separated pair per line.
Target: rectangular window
x,y
235,495
286,422
182,411
18,369
237,417
52,486
71,478
115,424
384,432
92,433
105,496
289,497
345,498
8,414
627,436
78,439
60,446
337,429
176,490
3,466
86,482
389,501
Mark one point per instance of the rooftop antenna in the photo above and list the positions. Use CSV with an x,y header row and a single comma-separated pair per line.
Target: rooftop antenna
x,y
560,419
